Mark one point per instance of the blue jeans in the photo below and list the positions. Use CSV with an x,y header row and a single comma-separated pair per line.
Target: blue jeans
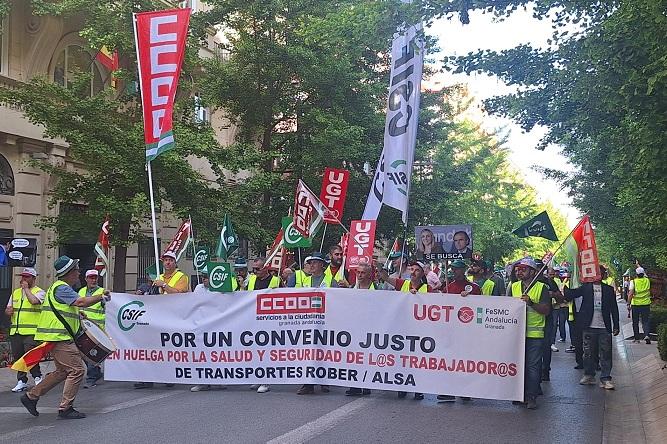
x,y
560,318
533,376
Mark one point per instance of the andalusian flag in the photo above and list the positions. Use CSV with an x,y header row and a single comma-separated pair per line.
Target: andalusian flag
x,y
33,357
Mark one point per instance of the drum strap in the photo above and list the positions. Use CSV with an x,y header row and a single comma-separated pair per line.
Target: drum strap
x,y
61,319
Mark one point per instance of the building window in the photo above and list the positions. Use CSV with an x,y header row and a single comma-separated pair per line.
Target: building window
x,y
6,178
192,4
72,61
201,112
145,259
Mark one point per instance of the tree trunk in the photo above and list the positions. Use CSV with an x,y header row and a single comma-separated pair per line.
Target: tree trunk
x,y
120,259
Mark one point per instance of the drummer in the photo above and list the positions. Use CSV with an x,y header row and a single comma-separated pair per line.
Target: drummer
x,y
62,302
94,313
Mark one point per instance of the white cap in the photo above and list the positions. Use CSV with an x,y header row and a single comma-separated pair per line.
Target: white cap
x,y
29,272
92,272
170,254
640,270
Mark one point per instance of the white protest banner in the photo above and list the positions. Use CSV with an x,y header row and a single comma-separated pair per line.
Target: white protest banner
x,y
430,343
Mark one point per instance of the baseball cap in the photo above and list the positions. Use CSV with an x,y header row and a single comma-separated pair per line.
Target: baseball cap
x,y
640,270
316,256
170,254
28,271
528,262
458,264
240,262
92,272
419,264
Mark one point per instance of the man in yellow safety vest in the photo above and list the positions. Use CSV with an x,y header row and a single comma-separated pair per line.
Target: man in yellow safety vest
x,y
24,308
538,305
172,280
59,323
94,313
639,301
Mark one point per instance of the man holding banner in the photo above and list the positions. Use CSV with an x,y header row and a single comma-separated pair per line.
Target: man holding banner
x,y
538,303
172,280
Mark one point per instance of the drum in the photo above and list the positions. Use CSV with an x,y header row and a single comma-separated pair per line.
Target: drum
x,y
93,343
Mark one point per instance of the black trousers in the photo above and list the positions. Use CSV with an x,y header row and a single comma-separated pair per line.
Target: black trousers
x,y
21,344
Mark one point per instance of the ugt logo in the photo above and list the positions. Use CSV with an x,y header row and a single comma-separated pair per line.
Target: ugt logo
x,y
129,314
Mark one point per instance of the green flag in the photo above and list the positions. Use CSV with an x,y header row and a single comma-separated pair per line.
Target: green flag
x,y
150,271
539,226
200,259
228,242
291,237
220,277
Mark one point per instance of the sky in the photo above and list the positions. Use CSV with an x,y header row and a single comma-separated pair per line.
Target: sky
x,y
485,32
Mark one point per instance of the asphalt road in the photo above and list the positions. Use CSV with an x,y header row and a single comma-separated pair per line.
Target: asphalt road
x,y
568,413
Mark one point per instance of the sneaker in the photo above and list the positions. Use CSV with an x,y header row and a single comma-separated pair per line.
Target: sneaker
x,y
570,349
648,340
636,341
20,386
419,396
353,392
38,379
607,385
446,398
200,388
306,389
29,404
561,340
263,388
70,413
254,387
531,404
554,348
587,380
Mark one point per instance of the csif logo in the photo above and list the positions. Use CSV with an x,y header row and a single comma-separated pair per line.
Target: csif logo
x,y
129,315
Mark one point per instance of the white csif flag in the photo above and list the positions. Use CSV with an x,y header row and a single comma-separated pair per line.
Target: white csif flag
x,y
391,183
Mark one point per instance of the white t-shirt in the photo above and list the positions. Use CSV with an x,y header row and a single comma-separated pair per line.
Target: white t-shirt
x,y
598,320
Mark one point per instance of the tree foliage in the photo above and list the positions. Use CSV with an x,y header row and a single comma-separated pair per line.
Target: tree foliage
x,y
600,91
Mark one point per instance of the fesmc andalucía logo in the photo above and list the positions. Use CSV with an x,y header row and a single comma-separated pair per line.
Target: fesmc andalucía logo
x,y
129,315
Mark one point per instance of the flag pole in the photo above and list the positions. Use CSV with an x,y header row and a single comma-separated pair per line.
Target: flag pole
x,y
194,246
150,190
555,251
324,234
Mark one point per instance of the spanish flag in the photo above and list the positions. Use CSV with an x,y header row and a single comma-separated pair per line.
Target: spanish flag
x,y
33,357
110,61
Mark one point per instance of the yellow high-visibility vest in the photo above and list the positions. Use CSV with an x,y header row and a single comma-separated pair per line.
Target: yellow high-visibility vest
x,y
535,321
642,294
406,287
173,280
49,328
95,312
26,315
275,282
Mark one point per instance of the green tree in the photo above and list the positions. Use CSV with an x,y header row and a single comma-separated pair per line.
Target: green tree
x,y
104,134
600,91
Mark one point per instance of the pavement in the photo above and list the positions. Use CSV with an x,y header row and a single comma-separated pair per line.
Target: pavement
x,y
567,413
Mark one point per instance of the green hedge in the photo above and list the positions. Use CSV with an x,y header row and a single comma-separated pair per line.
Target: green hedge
x,y
662,341
658,316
